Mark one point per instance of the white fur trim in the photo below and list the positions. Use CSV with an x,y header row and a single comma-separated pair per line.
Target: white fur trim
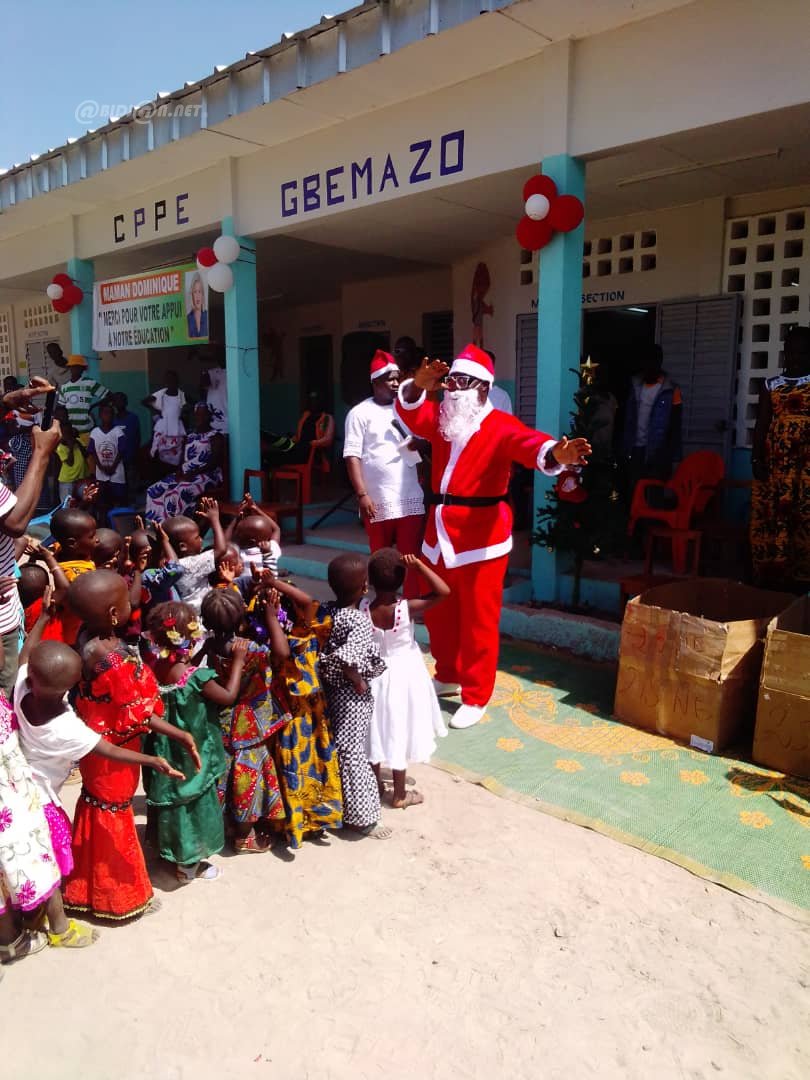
x,y
410,404
452,558
462,366
549,444
384,371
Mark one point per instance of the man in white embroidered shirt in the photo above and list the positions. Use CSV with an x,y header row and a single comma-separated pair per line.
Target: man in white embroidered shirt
x,y
382,470
469,528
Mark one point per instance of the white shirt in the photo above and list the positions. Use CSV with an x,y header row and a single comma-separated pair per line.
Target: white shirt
x,y
647,399
193,585
217,399
391,483
10,608
500,399
253,556
106,446
52,748
170,409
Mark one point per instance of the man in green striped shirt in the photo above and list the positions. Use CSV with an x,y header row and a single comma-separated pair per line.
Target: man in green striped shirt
x,y
78,395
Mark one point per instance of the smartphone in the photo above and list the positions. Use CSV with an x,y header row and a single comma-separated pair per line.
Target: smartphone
x,y
47,414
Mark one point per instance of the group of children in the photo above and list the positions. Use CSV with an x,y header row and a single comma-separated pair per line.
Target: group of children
x,y
257,714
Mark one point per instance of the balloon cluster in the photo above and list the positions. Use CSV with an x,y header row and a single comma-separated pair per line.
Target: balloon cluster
x,y
214,261
546,213
63,293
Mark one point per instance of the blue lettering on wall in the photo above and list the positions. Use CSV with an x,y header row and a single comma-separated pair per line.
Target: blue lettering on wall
x,y
423,148
332,199
357,172
389,174
362,179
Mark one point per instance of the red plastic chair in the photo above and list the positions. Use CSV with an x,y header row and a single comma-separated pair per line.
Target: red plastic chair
x,y
318,456
695,483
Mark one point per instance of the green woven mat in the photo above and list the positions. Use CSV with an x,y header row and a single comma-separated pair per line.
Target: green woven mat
x,y
547,741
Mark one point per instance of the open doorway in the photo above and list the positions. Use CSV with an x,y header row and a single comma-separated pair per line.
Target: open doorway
x,y
617,339
316,371
358,349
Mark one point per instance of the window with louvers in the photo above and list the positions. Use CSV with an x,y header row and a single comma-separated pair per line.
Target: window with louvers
x,y
526,369
437,335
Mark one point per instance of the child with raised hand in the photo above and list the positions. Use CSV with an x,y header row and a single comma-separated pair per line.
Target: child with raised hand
x,y
249,790
118,698
52,738
107,552
35,579
407,717
350,659
74,531
257,536
184,536
162,571
185,818
306,755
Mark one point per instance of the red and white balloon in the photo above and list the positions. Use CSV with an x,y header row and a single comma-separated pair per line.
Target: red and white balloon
x,y
546,212
63,293
215,262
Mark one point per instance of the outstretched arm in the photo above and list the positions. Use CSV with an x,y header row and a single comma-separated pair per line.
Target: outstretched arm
x,y
185,738
132,757
209,509
439,590
35,636
279,646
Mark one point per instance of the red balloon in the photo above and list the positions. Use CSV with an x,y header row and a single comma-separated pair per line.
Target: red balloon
x,y
533,235
63,305
566,213
540,185
73,294
206,256
62,279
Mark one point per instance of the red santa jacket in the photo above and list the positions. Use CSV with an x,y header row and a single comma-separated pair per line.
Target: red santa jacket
x,y
478,467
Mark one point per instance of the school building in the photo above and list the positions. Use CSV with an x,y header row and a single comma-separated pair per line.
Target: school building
x,y
372,169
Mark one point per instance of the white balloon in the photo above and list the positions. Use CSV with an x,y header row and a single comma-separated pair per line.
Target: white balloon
x,y
226,249
537,207
54,291
220,277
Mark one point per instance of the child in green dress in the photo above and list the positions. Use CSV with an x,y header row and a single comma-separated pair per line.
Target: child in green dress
x,y
185,817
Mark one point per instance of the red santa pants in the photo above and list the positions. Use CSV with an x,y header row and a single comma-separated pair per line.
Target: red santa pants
x,y
405,534
464,634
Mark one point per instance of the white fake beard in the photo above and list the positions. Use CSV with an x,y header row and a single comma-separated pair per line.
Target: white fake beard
x,y
459,415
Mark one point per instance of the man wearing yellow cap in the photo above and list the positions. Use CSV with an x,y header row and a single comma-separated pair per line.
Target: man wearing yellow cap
x,y
78,395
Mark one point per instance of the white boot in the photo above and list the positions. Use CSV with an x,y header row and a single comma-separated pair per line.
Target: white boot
x,y
444,689
467,715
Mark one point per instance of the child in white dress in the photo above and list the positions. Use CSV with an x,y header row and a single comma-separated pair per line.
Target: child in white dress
x,y
407,717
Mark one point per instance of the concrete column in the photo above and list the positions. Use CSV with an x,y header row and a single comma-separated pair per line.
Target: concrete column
x,y
81,317
559,332
242,364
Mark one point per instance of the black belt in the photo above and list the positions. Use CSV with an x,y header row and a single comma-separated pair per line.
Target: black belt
x,y
436,499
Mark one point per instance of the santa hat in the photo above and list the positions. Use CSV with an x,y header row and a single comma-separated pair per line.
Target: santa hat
x,y
382,363
474,361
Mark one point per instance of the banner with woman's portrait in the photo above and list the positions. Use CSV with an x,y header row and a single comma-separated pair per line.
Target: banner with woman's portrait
x,y
153,310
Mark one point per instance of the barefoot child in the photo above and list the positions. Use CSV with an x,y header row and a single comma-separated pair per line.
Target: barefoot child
x,y
249,790
185,817
407,717
52,738
118,699
350,658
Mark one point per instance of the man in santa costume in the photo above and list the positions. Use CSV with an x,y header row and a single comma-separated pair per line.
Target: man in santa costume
x,y
469,528
382,468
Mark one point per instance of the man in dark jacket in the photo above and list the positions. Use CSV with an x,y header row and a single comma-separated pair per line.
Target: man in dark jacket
x,y
652,423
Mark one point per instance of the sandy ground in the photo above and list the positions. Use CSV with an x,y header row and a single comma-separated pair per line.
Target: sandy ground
x,y
483,940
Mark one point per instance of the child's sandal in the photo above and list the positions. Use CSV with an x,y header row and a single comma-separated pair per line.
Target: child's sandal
x,y
77,936
28,943
251,844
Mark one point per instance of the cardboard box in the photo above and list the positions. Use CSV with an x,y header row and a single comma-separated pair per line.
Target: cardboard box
x,y
782,729
690,659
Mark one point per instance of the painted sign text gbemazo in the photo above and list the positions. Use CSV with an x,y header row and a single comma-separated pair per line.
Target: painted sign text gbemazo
x,y
374,175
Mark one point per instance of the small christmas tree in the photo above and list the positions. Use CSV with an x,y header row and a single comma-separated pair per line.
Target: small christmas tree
x,y
583,514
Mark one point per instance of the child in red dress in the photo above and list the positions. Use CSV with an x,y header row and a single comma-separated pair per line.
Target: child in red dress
x,y
119,698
